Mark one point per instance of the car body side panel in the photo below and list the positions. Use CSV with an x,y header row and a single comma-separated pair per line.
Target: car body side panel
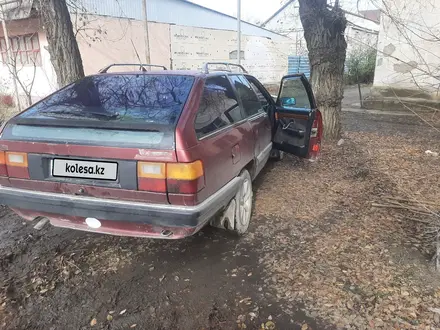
x,y
256,123
215,151
262,131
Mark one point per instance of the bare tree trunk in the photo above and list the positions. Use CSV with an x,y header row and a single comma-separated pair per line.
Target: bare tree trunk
x,y
324,33
63,48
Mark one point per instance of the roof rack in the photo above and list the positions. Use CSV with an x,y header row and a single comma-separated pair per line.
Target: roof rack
x,y
141,66
228,66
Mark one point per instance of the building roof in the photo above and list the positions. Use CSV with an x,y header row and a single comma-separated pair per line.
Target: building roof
x,y
179,12
15,9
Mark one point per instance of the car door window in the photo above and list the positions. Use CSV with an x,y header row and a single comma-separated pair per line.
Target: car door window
x,y
298,128
261,97
218,107
251,103
293,95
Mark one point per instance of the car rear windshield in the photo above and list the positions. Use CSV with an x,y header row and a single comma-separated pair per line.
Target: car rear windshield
x,y
119,98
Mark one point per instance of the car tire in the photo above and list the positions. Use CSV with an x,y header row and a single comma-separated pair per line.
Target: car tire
x,y
243,204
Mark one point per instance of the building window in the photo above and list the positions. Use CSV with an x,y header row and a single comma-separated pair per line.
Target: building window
x,y
233,55
26,49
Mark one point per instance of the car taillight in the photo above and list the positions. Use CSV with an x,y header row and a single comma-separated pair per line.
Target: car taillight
x,y
3,171
17,165
152,177
316,137
185,178
177,178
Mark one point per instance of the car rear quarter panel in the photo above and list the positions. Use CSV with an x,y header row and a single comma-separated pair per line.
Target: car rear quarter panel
x,y
216,155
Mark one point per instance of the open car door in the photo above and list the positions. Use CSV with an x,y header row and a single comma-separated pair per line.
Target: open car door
x,y
298,123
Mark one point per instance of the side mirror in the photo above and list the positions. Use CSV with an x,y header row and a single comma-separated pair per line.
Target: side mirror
x,y
288,101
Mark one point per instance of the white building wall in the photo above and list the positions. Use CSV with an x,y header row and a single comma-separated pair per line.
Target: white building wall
x,y
191,47
43,76
179,47
361,34
121,41
409,52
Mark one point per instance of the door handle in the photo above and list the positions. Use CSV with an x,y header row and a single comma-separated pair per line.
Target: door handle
x,y
288,125
295,132
289,128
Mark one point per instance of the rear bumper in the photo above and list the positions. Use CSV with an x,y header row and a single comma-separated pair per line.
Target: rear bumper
x,y
115,213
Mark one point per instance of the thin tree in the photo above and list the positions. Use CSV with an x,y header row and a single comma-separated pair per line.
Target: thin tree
x,y
26,82
63,47
324,29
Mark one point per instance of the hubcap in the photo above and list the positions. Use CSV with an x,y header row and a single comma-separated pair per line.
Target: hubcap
x,y
245,203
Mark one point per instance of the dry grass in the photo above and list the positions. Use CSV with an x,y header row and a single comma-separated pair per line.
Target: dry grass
x,y
323,245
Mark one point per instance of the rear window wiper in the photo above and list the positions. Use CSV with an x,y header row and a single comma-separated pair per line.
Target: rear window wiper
x,y
104,114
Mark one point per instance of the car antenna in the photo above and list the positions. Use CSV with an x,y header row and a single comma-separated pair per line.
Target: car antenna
x,y
137,54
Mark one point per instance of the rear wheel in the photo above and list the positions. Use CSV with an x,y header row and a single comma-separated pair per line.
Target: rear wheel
x,y
243,204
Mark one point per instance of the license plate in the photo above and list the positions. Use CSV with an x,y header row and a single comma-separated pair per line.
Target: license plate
x,y
84,169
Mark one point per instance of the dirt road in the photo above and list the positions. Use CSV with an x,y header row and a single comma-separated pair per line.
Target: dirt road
x,y
317,255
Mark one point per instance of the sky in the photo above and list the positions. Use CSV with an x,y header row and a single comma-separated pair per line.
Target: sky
x,y
260,10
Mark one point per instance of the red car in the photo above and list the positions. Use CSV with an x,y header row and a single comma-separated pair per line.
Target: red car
x,y
153,153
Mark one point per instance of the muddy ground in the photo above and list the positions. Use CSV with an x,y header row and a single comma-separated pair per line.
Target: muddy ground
x,y
318,255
